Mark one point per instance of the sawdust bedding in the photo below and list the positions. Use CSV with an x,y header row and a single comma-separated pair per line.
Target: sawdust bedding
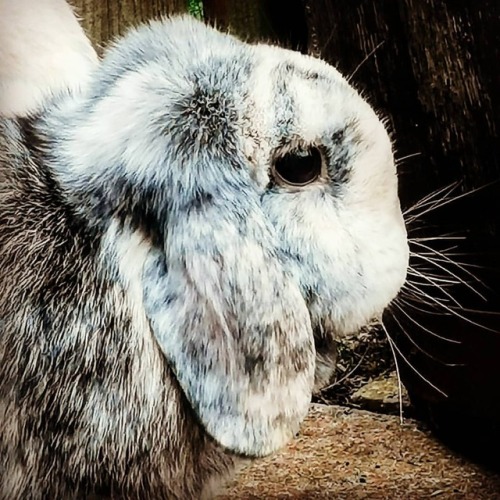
x,y
352,454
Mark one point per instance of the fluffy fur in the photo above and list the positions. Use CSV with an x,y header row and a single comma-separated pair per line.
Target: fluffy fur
x,y
43,50
165,302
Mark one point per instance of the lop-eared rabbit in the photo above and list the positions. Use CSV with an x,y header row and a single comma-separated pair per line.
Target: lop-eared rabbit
x,y
182,239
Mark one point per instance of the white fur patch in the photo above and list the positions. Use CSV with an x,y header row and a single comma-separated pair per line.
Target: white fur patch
x,y
125,252
43,51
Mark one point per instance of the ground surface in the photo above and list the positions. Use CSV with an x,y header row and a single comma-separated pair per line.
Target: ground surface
x,y
352,454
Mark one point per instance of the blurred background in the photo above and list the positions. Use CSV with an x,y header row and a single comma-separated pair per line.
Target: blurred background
x,y
431,69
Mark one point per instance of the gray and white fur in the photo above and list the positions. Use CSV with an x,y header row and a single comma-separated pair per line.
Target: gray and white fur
x,y
165,302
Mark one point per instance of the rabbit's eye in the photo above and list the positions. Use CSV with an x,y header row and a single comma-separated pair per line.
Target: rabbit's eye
x,y
298,168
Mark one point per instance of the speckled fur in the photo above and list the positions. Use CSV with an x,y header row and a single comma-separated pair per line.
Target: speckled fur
x,y
163,299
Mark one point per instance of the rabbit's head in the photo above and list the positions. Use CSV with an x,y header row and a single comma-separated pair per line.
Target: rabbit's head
x,y
248,200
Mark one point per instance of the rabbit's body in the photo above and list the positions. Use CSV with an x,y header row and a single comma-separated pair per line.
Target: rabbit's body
x,y
88,403
163,285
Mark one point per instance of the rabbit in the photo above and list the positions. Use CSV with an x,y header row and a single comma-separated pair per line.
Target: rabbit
x,y
182,241
43,50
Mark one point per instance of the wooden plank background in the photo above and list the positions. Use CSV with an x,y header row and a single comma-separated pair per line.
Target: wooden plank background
x,y
103,20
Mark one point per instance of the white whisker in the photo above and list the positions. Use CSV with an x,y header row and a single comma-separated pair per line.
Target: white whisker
x,y
430,199
449,272
421,295
455,313
420,348
370,54
410,299
446,201
425,329
414,271
396,348
438,238
442,289
398,161
398,374
444,255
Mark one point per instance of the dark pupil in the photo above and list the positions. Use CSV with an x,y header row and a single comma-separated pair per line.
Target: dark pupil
x,y
299,167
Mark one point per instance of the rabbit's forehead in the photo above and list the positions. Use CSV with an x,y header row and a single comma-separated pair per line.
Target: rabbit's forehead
x,y
292,97
295,100
297,93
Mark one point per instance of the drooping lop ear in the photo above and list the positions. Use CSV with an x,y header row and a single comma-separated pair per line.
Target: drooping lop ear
x,y
230,322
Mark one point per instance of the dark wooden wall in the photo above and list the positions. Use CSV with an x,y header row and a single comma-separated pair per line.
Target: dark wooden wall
x,y
103,20
434,72
432,68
